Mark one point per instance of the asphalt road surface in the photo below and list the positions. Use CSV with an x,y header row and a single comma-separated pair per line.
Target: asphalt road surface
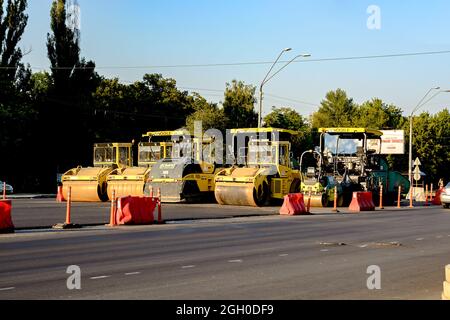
x,y
44,213
268,257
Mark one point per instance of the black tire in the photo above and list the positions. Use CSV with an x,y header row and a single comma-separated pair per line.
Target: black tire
x,y
191,192
261,194
295,186
102,192
446,205
326,201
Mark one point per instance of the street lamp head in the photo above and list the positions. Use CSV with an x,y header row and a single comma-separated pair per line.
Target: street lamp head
x,y
305,55
287,49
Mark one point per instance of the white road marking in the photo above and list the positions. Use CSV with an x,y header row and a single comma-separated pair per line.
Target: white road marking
x,y
363,246
324,250
284,255
235,261
7,289
420,239
438,237
132,273
188,267
99,277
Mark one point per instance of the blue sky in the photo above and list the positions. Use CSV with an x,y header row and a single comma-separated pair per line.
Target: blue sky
x,y
119,33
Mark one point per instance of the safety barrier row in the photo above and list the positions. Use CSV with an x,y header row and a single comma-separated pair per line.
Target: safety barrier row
x,y
124,211
6,223
136,210
362,201
293,205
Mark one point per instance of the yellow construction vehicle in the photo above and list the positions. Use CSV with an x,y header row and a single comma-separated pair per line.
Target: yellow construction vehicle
x,y
263,169
130,181
90,184
189,174
316,183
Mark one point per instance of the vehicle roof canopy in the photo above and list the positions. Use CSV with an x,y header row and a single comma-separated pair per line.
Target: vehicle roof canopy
x,y
166,133
113,144
352,133
263,130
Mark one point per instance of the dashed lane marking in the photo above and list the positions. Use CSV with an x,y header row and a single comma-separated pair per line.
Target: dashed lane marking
x,y
188,267
235,261
7,289
99,277
284,255
132,273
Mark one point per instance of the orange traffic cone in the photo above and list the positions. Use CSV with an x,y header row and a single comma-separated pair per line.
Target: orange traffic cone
x,y
59,195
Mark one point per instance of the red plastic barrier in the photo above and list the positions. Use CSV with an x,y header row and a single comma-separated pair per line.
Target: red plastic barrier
x,y
437,197
6,224
135,210
362,201
294,204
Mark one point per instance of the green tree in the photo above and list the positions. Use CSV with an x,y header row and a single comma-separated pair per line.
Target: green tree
x,y
337,110
211,116
239,105
431,143
288,118
285,118
375,114
12,27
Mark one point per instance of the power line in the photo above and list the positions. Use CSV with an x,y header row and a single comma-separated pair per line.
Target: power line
x,y
206,65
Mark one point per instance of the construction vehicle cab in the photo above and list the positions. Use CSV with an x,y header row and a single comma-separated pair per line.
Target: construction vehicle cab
x,y
188,175
262,171
316,183
130,181
348,157
90,184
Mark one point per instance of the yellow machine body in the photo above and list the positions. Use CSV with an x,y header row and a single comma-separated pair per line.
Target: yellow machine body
x,y
187,175
266,172
90,184
130,181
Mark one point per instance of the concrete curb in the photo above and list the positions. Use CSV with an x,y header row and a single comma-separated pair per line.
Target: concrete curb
x,y
446,292
31,196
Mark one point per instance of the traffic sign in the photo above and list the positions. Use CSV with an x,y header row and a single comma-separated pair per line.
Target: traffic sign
x,y
417,162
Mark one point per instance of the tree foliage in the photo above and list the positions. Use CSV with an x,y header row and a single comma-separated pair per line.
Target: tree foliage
x,y
288,118
12,25
210,115
337,110
239,105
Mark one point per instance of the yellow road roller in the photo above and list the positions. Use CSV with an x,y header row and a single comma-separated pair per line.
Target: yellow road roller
x,y
317,183
90,184
130,181
262,170
187,176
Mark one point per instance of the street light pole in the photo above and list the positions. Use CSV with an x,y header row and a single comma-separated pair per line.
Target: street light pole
x,y
262,85
267,79
419,105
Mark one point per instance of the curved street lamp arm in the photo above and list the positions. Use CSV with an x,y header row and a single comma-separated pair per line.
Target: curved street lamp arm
x,y
283,67
422,103
271,68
